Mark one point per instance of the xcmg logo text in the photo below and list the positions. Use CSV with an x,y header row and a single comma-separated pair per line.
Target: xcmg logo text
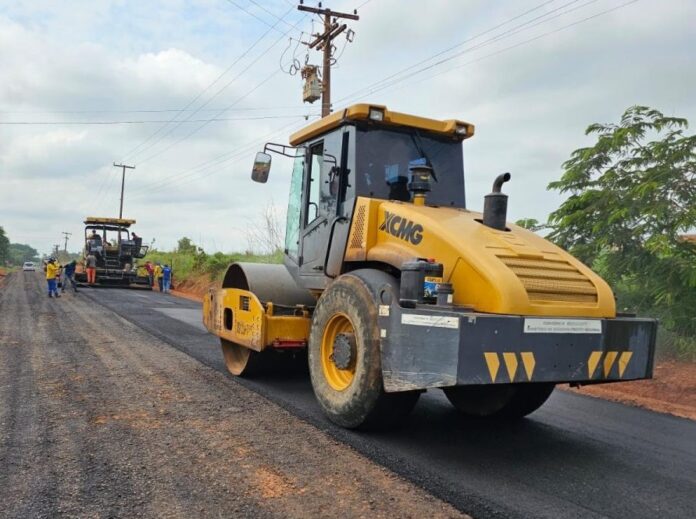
x,y
402,228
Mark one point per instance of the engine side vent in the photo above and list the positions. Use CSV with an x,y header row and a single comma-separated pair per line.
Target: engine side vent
x,y
548,280
356,241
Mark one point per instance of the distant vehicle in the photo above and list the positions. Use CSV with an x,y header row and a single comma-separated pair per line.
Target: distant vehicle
x,y
116,249
29,266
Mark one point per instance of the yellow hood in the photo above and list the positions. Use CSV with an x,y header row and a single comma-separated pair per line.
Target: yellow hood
x,y
502,272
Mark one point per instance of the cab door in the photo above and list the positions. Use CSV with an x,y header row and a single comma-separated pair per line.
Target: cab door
x,y
315,215
327,204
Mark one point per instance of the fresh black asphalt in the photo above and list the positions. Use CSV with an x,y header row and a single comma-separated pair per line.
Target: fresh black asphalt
x,y
575,457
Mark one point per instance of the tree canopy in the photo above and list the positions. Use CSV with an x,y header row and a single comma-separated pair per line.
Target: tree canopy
x,y
631,198
4,247
19,253
185,245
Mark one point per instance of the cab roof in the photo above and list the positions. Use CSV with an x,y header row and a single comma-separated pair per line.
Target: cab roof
x,y
379,114
99,220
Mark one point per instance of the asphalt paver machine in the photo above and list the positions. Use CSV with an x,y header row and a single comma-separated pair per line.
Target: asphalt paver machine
x,y
117,250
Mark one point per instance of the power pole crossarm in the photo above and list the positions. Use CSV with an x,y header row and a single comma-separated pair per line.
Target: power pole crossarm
x,y
123,184
335,14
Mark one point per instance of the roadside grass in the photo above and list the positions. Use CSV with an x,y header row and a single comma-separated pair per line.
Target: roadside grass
x,y
188,264
672,343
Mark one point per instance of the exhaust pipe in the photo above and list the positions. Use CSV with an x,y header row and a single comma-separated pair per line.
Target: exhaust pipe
x,y
495,204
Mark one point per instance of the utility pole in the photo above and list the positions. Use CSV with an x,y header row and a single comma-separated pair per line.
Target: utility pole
x,y
123,183
67,235
322,42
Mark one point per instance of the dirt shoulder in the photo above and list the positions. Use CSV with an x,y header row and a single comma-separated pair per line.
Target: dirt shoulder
x,y
672,390
194,288
98,418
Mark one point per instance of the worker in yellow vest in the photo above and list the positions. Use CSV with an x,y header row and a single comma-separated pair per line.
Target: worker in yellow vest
x,y
159,276
52,269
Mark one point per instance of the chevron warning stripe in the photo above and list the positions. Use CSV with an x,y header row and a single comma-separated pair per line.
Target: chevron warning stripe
x,y
511,364
609,359
624,359
528,362
493,363
592,363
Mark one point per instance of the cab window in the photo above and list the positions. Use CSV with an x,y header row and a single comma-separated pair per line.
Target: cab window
x,y
292,229
316,162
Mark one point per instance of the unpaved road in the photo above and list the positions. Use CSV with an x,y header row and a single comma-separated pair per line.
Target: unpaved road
x,y
101,419
576,457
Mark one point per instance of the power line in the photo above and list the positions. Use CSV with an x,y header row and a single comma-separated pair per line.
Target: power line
x,y
205,170
269,12
206,122
527,41
103,189
215,161
250,13
194,172
236,101
467,40
215,119
190,103
142,111
250,65
505,49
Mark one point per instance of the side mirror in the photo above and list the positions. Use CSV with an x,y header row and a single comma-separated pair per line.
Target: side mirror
x,y
262,166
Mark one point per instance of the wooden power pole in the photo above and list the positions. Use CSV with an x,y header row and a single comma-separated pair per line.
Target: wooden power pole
x,y
67,235
322,42
123,183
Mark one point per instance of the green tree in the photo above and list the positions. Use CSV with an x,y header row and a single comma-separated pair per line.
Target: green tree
x,y
19,253
631,197
186,246
531,223
4,247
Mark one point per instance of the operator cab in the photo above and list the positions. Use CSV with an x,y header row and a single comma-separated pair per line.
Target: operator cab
x,y
110,240
363,150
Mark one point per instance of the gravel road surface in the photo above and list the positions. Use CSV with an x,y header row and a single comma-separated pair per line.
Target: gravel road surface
x,y
99,418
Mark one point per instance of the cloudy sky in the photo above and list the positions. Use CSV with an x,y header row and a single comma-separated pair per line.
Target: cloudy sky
x,y
531,74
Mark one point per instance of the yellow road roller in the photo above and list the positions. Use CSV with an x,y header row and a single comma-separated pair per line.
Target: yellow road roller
x,y
394,287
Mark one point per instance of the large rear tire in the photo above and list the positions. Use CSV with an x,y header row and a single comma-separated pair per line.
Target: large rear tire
x,y
344,355
506,401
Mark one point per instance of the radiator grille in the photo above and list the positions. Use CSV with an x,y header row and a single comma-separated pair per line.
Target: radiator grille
x,y
358,226
552,280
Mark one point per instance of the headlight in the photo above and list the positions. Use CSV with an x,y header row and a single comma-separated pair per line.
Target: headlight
x,y
376,114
